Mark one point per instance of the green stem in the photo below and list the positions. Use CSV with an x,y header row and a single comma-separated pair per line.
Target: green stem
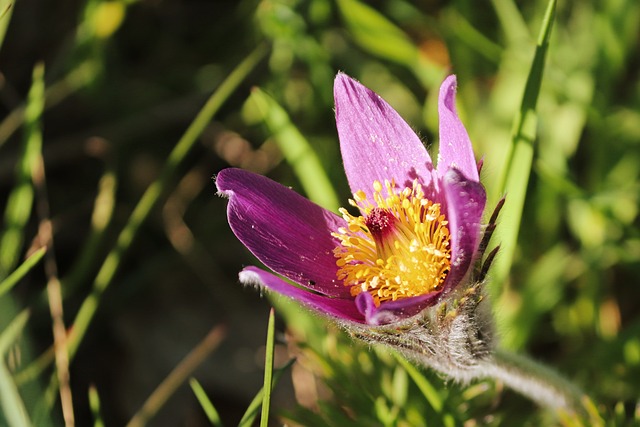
x,y
536,381
268,371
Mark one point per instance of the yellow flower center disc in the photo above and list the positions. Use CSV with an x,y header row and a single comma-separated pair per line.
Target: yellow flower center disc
x,y
398,248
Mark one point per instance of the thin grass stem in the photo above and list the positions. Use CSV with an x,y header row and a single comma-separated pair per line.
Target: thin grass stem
x,y
177,377
268,370
518,167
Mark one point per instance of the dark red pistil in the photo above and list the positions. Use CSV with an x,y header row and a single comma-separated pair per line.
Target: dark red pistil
x,y
379,221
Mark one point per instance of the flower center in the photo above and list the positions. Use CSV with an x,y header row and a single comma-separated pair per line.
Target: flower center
x,y
398,248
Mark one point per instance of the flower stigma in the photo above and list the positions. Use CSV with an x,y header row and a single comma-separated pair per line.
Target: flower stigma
x,y
399,246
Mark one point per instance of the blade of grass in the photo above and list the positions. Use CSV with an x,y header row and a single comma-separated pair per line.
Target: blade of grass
x,y
103,209
252,410
55,93
179,374
428,391
20,202
268,370
470,36
6,10
94,405
297,151
373,32
511,22
153,194
12,405
205,403
13,408
11,332
45,234
518,168
21,271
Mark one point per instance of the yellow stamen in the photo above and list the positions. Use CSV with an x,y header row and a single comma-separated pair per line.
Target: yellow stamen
x,y
398,248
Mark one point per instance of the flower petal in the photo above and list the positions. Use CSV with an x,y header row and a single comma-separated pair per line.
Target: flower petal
x,y
344,309
393,311
465,203
376,143
287,232
455,145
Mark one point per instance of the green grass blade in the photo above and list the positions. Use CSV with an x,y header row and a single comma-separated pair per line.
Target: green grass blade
x,y
432,396
268,370
428,391
103,209
153,194
297,151
472,37
11,332
205,403
518,168
76,79
163,392
6,10
94,405
373,32
252,410
21,271
13,408
20,202
511,22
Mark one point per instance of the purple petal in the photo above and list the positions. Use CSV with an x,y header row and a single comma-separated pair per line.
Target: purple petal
x,y
465,204
455,145
393,311
344,309
285,231
376,143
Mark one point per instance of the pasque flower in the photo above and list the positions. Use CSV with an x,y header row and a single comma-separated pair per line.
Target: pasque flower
x,y
412,241
406,269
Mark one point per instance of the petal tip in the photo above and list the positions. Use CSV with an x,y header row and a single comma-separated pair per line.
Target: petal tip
x,y
219,180
342,86
248,277
448,92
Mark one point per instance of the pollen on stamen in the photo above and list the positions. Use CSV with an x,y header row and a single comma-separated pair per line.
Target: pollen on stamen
x,y
399,247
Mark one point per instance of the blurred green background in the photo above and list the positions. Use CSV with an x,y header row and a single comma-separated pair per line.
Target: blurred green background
x,y
101,94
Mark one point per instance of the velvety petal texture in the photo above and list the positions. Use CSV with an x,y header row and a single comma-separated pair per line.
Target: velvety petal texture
x,y
287,232
465,200
375,142
292,236
393,311
341,308
455,146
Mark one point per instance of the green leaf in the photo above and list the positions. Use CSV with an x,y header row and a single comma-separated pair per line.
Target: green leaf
x,y
94,404
20,202
12,405
376,34
252,410
21,271
11,332
268,370
205,403
6,10
518,168
373,32
436,402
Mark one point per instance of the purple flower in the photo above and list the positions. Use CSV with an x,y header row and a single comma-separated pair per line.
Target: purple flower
x,y
413,240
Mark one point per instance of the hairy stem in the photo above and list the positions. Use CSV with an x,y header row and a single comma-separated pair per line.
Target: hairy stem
x,y
535,381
